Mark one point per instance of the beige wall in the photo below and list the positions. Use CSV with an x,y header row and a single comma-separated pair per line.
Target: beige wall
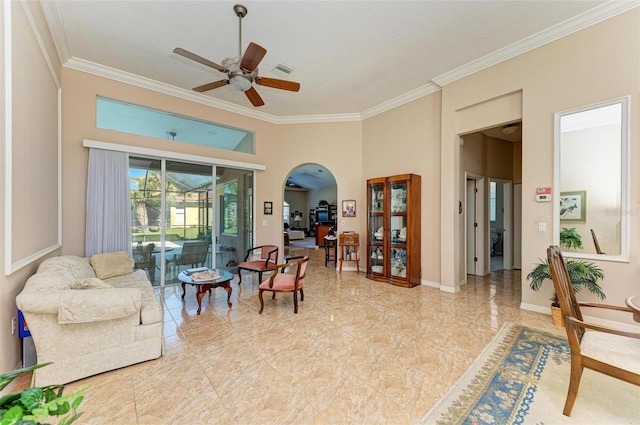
x,y
27,62
407,140
279,148
577,70
420,137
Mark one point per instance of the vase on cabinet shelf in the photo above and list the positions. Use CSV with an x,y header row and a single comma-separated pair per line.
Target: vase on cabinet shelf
x,y
393,229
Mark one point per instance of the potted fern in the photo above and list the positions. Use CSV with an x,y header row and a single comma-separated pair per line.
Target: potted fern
x,y
583,275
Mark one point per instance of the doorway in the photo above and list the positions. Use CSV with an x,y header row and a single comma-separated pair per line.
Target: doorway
x,y
186,215
475,228
500,224
310,193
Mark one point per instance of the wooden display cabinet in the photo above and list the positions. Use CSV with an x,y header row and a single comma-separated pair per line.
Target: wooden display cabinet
x,y
393,229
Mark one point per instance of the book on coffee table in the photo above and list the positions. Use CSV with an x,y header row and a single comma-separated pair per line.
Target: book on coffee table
x,y
189,272
205,276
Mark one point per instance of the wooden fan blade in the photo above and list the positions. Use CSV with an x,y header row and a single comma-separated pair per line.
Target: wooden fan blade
x,y
252,57
187,54
254,97
278,84
211,86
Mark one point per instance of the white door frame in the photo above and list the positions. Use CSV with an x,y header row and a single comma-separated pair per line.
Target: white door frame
x,y
475,209
517,226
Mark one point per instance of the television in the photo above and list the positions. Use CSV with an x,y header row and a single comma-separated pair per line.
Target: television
x,y
322,216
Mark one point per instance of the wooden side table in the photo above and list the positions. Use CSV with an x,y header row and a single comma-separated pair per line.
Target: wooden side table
x,y
349,249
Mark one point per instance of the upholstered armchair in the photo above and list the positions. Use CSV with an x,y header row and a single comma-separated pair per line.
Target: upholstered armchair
x,y
259,259
280,281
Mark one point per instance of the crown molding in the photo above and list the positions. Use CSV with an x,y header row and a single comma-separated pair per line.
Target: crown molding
x,y
422,91
563,29
52,15
147,83
570,26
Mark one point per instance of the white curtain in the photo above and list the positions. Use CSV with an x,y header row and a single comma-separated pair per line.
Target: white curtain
x,y
108,203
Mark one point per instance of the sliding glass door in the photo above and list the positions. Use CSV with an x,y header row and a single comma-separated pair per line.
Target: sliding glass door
x,y
187,218
181,219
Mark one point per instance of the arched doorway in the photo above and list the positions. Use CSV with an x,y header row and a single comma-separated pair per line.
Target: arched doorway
x,y
310,197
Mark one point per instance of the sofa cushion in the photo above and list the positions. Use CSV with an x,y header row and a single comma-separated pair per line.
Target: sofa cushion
x,y
86,306
112,264
69,268
90,283
151,311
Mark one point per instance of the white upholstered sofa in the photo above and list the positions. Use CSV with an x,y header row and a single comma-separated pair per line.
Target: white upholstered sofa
x,y
89,316
295,234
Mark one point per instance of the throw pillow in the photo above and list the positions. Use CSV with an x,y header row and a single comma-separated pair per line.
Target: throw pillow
x,y
90,283
112,264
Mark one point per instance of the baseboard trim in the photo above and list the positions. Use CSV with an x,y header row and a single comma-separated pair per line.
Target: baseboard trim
x,y
429,283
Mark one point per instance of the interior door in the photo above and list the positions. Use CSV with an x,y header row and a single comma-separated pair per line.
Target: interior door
x,y
471,227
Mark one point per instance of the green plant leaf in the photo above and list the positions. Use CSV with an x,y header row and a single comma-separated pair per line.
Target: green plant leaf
x,y
583,275
72,419
12,416
31,398
76,402
6,378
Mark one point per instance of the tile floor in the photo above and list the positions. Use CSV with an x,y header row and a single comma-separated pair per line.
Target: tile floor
x,y
357,352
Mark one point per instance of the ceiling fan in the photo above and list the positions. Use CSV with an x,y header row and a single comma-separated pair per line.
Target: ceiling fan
x,y
242,70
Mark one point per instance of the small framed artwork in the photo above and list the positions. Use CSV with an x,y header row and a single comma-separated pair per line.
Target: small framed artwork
x,y
573,206
349,208
268,207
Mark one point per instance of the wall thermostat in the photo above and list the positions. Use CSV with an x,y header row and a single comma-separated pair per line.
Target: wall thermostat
x,y
543,198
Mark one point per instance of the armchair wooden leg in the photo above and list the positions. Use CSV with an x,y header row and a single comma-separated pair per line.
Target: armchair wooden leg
x,y
301,294
295,302
239,276
261,301
574,384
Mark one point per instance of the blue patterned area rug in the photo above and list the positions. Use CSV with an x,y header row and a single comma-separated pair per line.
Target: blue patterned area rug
x,y
522,377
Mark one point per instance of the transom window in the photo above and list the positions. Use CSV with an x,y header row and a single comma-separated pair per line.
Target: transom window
x,y
135,119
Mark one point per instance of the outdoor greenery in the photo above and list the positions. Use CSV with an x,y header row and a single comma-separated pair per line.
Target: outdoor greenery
x,y
570,238
36,405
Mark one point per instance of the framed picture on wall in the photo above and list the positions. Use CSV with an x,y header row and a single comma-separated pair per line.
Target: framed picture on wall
x,y
268,207
573,206
349,208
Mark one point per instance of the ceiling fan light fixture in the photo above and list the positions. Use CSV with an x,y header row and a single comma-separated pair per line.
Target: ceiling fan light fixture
x,y
240,82
510,129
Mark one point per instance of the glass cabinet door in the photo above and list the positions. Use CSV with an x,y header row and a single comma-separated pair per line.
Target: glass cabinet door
x,y
398,229
393,230
376,229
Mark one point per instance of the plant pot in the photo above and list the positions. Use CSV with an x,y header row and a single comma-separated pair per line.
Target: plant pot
x,y
556,315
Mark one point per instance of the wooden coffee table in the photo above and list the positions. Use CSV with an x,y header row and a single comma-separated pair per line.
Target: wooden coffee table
x,y
202,287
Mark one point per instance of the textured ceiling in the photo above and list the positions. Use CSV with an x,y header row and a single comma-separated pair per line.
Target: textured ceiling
x,y
350,57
